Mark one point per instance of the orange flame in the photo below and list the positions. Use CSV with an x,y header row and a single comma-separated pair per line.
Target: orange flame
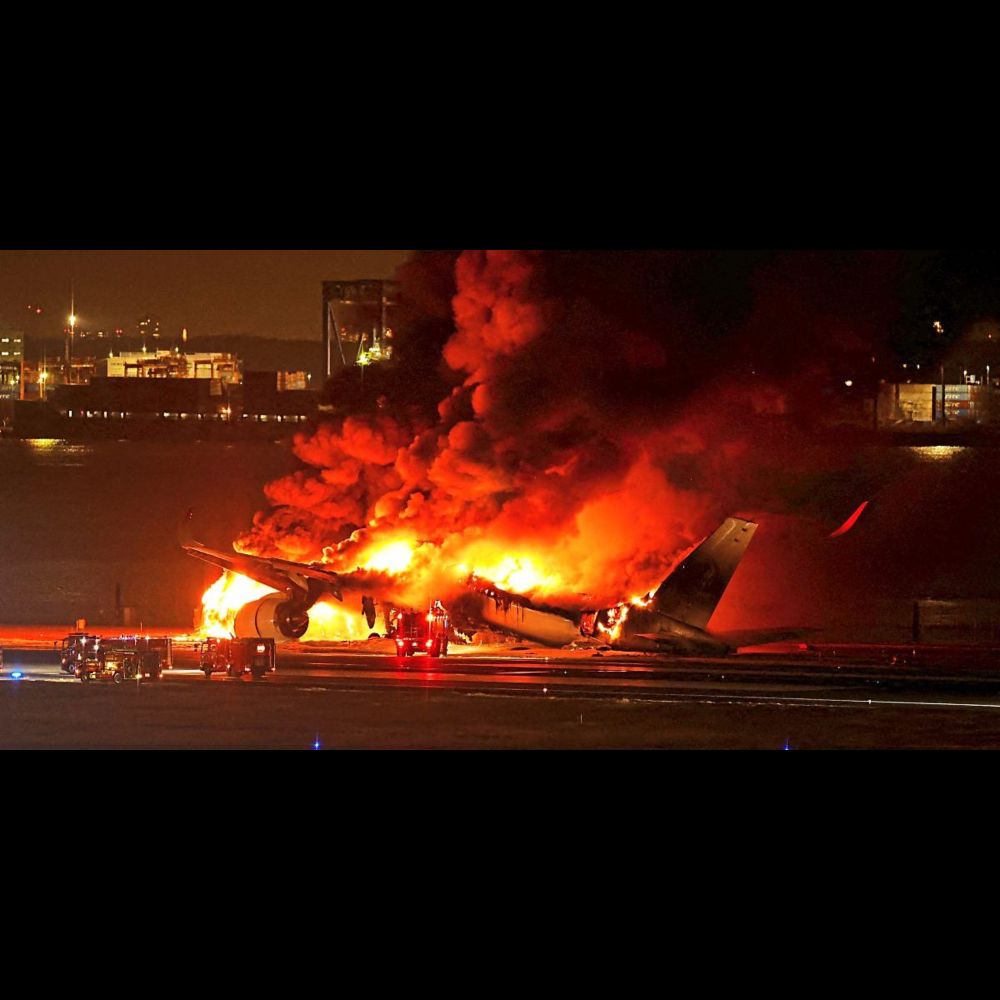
x,y
221,602
517,574
331,622
328,621
618,615
395,557
419,569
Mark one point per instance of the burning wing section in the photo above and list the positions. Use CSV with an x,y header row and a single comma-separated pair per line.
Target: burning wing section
x,y
283,615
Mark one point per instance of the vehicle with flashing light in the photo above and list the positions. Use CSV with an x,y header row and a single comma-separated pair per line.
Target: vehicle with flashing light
x,y
74,649
237,657
116,665
15,673
78,648
422,632
157,652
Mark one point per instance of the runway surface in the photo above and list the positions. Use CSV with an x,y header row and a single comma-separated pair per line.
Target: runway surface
x,y
356,697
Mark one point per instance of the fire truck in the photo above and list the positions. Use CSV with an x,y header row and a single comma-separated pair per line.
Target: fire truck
x,y
422,632
117,665
84,656
237,657
74,650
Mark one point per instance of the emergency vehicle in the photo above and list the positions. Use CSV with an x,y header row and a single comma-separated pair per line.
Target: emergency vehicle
x,y
422,632
153,654
74,649
117,665
237,657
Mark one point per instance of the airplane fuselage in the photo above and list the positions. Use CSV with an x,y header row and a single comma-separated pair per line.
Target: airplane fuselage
x,y
644,630
649,631
521,618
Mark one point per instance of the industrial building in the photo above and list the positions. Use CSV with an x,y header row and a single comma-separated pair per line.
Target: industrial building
x,y
11,365
357,323
919,403
162,393
257,399
170,364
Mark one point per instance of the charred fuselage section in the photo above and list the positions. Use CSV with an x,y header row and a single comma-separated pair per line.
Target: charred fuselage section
x,y
673,619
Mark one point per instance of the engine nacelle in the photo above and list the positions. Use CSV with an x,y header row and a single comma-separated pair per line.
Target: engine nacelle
x,y
272,617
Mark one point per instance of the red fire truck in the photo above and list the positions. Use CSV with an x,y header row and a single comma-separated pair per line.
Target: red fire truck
x,y
237,657
84,655
422,632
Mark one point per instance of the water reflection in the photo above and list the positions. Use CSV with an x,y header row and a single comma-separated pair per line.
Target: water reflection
x,y
56,451
937,452
77,520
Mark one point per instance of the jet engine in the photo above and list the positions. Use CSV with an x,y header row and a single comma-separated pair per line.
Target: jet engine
x,y
271,617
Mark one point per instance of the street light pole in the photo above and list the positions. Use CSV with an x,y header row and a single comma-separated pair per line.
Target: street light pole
x,y
72,332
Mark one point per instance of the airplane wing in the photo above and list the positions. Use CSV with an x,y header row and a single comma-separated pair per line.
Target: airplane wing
x,y
281,574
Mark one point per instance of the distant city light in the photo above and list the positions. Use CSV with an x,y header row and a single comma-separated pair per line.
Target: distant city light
x,y
848,383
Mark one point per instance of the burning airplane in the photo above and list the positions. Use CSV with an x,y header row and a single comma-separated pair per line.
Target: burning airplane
x,y
550,438
673,618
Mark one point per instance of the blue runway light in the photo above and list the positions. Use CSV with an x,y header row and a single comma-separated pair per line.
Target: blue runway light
x,y
16,675
786,746
316,744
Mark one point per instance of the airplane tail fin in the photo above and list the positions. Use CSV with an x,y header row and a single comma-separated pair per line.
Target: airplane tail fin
x,y
185,532
693,590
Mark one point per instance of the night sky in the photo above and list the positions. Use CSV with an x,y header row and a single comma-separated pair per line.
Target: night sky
x,y
273,293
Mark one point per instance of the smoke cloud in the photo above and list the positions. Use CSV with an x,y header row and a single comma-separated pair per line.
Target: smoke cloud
x,y
593,416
